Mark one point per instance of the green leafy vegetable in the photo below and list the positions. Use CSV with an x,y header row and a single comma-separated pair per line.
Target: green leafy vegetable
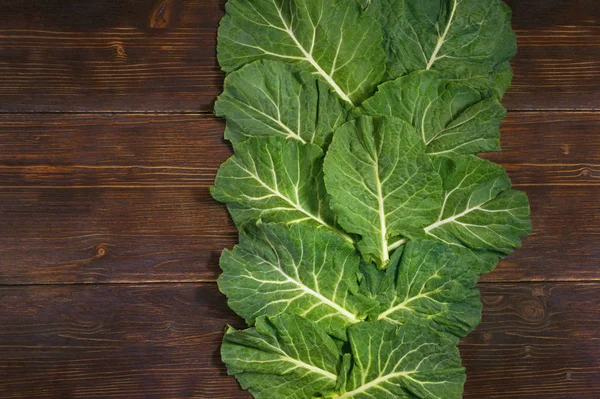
x,y
382,185
269,98
450,118
365,217
501,79
410,362
331,38
430,285
467,40
479,210
275,180
296,269
282,357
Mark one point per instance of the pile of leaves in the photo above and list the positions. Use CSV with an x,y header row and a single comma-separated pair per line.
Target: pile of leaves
x,y
365,215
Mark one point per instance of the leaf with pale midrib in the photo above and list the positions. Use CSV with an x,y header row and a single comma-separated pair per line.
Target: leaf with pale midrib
x,y
451,119
333,39
430,285
275,180
270,98
411,362
467,40
479,210
296,269
381,182
282,357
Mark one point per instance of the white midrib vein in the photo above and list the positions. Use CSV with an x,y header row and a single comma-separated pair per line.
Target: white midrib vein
x,y
402,305
376,382
290,132
453,218
296,206
435,225
311,368
286,358
309,58
344,312
442,38
383,226
439,223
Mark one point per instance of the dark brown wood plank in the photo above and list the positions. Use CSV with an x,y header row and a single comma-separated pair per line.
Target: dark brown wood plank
x,y
67,235
124,198
539,148
550,148
89,198
61,235
536,341
57,150
136,55
558,61
159,55
563,243
157,341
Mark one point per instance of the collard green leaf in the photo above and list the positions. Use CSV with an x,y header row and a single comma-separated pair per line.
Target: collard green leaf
x,y
466,40
408,362
450,118
381,183
479,261
430,285
282,357
274,180
298,269
479,210
270,98
501,79
333,39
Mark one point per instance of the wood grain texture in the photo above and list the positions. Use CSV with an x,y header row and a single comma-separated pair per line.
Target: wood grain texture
x,y
134,341
159,55
536,341
57,150
550,148
65,235
158,341
124,198
91,195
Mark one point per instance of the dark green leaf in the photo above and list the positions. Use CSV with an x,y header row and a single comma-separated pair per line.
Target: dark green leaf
x,y
333,39
274,180
381,183
270,98
466,40
282,357
297,269
479,210
430,285
450,118
412,362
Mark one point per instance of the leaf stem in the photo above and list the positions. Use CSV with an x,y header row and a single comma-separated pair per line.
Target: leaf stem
x,y
442,38
397,244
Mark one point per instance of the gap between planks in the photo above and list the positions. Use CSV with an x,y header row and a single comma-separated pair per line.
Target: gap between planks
x,y
210,113
580,282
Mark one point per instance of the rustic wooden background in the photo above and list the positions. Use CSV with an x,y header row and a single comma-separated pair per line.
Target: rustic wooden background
x,y
109,240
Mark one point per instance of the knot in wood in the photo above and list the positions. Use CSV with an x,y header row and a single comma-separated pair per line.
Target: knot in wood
x,y
532,309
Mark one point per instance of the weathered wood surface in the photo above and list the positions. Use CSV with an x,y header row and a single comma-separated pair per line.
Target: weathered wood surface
x,y
159,55
125,198
91,193
537,340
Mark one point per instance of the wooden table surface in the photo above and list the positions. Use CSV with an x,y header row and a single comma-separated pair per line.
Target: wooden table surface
x,y
109,239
